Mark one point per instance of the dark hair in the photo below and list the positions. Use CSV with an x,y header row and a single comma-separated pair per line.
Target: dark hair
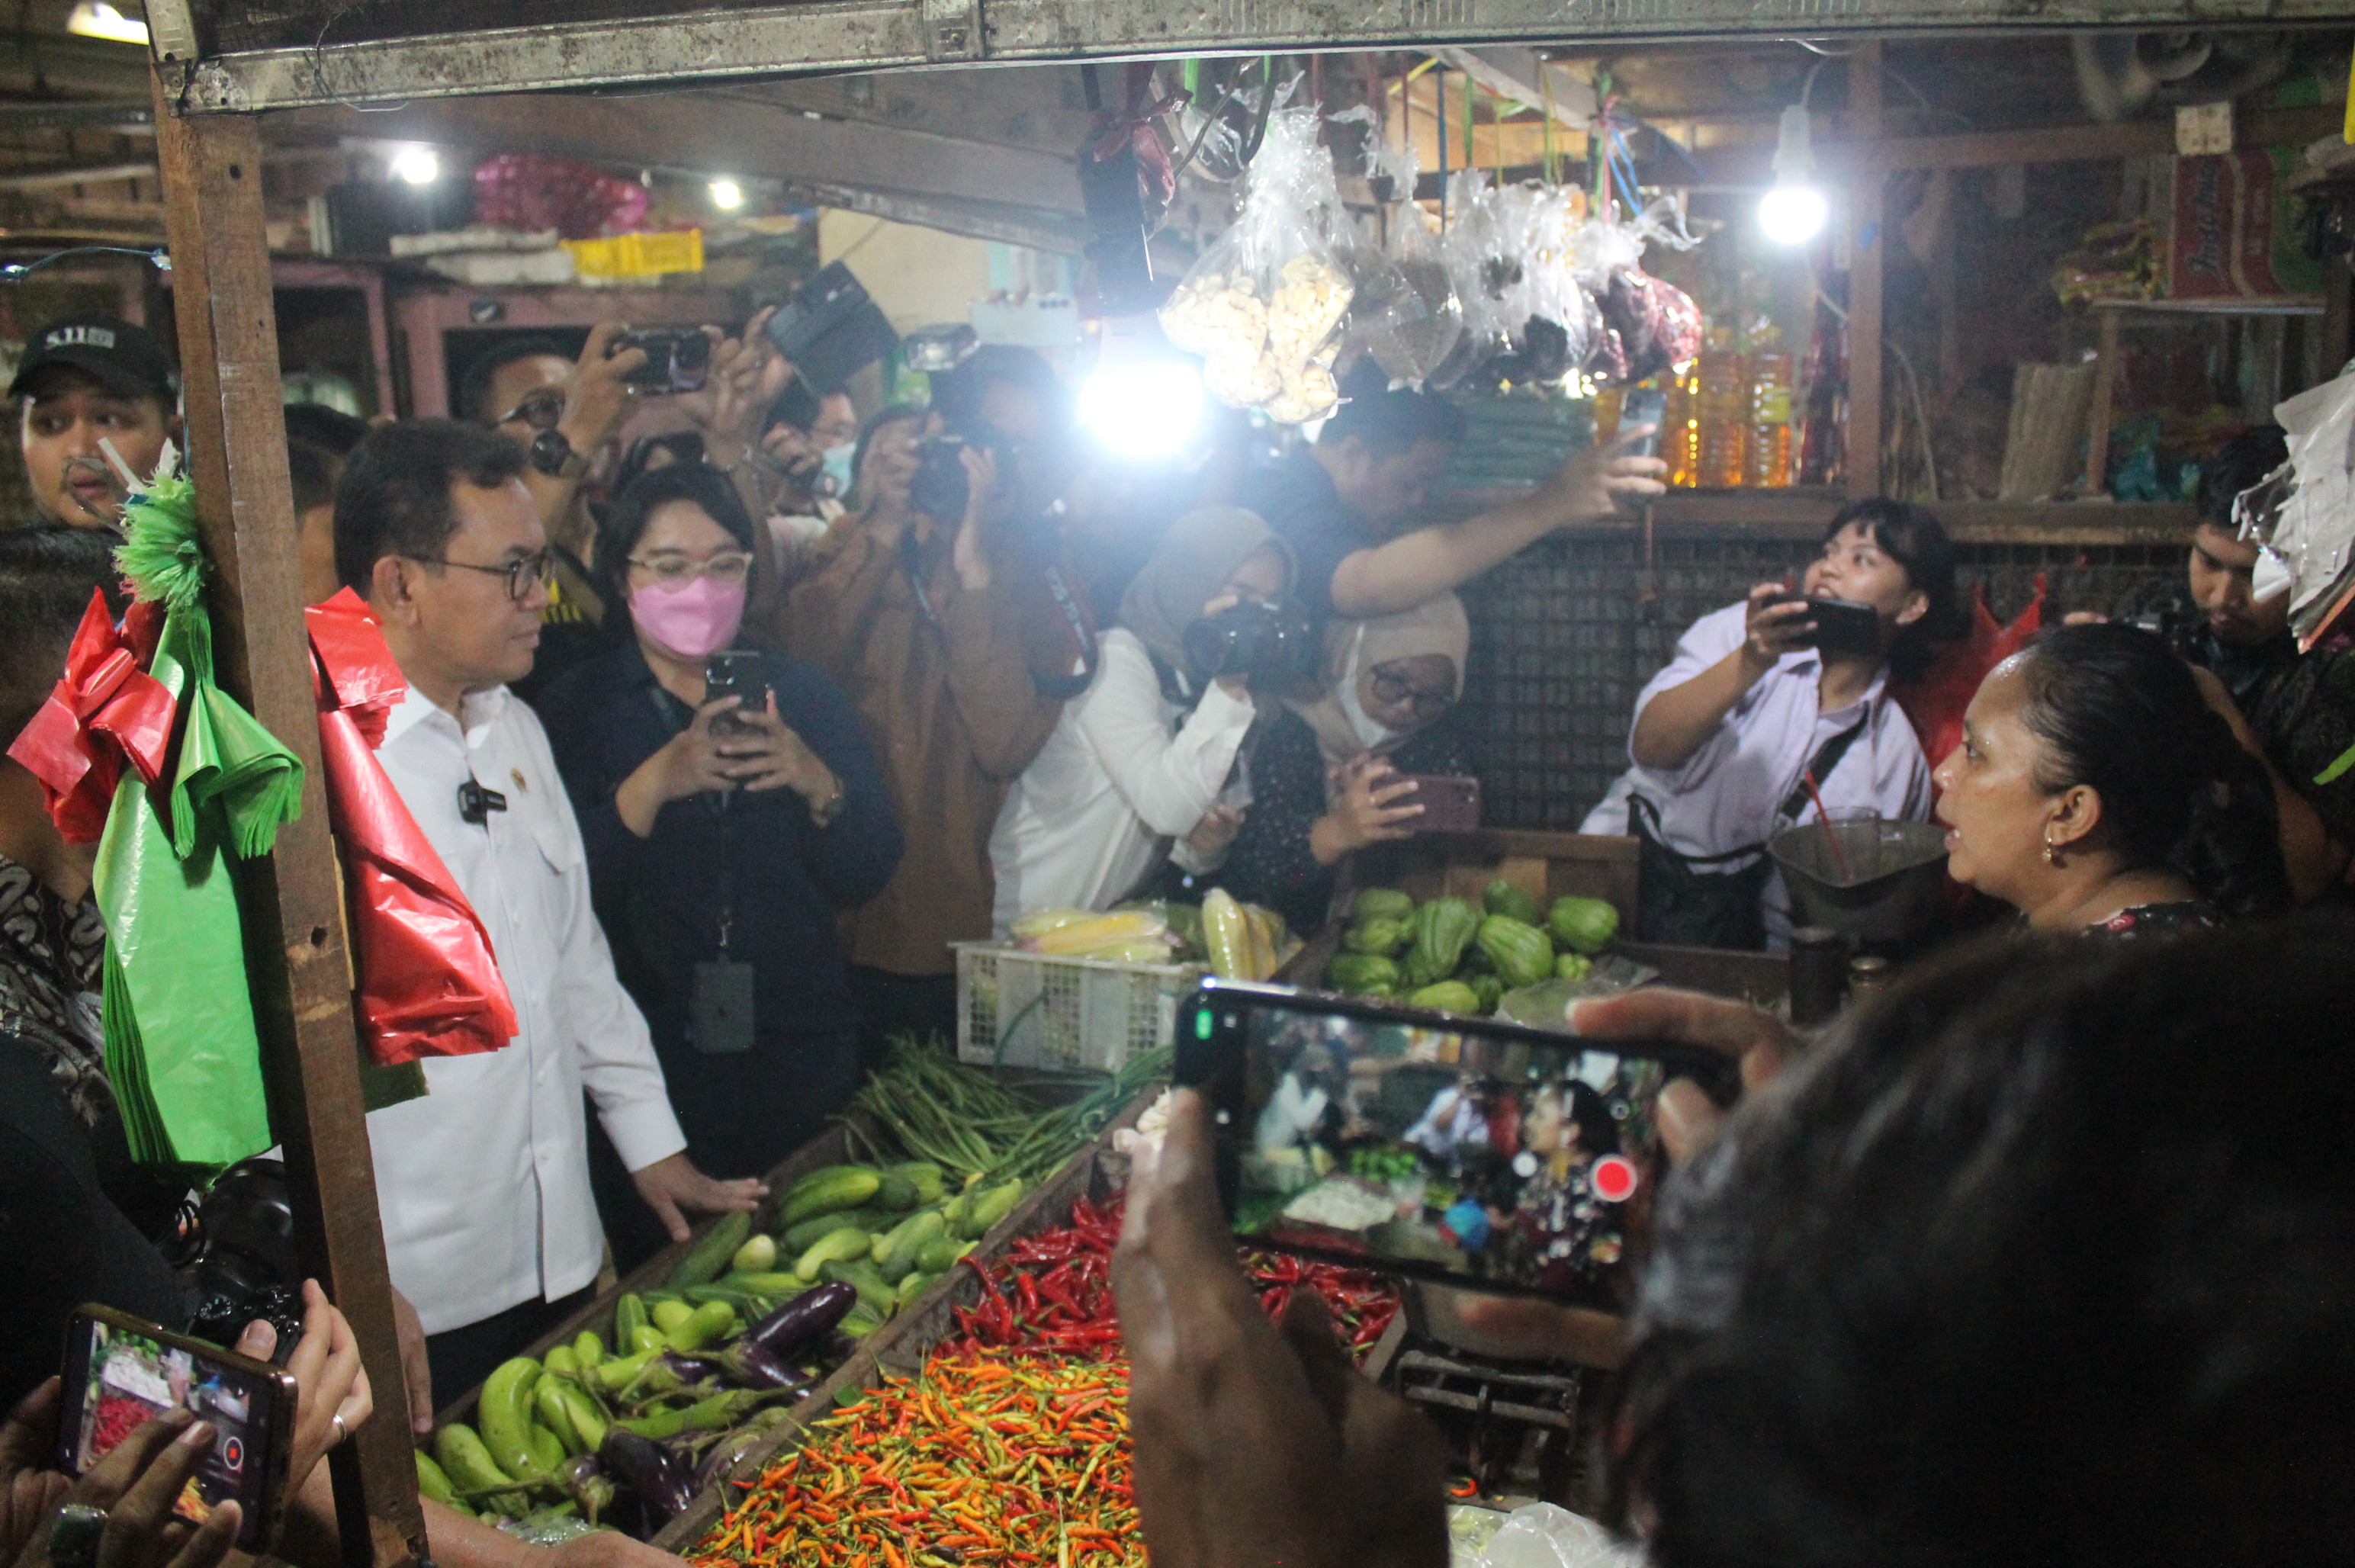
x,y
957,394
624,522
2239,463
332,431
394,496
895,414
1918,542
313,469
2118,712
474,383
46,577
1389,423
2048,1256
683,445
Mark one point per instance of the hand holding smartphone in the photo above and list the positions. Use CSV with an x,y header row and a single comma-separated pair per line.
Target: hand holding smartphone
x,y
1450,802
121,1372
1642,406
738,673
1842,625
1475,1151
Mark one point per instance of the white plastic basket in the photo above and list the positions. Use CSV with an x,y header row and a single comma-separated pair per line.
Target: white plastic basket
x,y
1026,1010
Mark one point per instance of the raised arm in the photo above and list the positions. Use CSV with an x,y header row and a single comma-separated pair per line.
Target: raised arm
x,y
1677,722
1421,565
1169,781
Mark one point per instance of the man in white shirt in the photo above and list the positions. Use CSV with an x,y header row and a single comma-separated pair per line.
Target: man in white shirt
x,y
484,1184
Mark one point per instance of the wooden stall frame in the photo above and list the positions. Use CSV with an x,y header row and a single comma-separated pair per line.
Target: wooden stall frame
x,y
291,901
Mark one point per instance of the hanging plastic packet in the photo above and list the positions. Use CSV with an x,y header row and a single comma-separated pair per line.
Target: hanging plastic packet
x,y
1645,326
1481,271
1264,305
1416,353
1564,321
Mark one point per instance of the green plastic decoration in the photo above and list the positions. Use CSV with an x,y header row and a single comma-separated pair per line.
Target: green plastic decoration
x,y
181,1045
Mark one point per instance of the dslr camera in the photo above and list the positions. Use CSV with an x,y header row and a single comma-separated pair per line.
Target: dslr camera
x,y
1270,644
2178,627
942,486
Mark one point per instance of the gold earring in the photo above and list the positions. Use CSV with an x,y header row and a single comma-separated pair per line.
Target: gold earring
x,y
2051,854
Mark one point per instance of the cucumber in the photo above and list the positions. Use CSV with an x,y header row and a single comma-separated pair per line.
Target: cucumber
x,y
931,1183
770,1286
859,1273
908,1242
755,1256
914,1285
940,1254
466,1461
897,1195
706,1260
800,1238
827,1192
846,1243
988,1209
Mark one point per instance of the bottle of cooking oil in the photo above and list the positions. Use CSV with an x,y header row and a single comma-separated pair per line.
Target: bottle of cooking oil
x,y
1722,410
1607,405
1768,446
1678,430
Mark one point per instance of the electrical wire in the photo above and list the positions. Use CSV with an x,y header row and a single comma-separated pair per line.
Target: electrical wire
x,y
13,272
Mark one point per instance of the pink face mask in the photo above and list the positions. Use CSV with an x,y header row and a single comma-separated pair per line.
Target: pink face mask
x,y
694,621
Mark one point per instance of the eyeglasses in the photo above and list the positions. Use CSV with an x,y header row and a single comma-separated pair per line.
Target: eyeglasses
x,y
730,568
542,410
523,576
1396,691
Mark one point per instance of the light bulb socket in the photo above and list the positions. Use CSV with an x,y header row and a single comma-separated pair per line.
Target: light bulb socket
x,y
1795,152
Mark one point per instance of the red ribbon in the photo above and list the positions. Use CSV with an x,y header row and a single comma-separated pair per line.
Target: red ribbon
x,y
429,983
106,709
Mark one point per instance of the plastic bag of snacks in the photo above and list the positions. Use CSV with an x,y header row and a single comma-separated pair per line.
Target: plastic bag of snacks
x,y
1265,304
1645,326
1487,273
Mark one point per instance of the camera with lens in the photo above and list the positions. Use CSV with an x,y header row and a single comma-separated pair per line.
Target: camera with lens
x,y
2178,625
1272,644
244,1265
942,486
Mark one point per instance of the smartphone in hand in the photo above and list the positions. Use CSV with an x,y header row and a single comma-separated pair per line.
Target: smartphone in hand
x,y
739,673
1842,625
1450,802
1645,405
123,1371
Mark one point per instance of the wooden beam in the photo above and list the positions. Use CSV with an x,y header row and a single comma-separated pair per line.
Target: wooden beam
x,y
1864,279
291,901
2078,144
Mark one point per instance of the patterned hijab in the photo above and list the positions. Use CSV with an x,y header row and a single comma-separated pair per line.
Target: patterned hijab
x,y
49,953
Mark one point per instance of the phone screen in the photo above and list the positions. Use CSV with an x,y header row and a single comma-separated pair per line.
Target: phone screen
x,y
1644,406
121,1374
1479,1152
738,672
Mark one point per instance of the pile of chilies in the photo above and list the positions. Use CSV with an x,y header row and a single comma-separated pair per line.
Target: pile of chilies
x,y
1054,1291
1011,1446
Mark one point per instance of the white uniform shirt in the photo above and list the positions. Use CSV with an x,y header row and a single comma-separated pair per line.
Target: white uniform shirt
x,y
1080,826
1730,792
484,1184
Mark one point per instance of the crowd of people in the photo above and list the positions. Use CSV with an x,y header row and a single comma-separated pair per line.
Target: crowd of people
x,y
729,713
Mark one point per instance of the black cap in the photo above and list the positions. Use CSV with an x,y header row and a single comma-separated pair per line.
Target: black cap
x,y
130,360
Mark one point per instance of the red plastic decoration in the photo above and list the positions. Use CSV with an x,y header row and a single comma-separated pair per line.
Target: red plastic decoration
x,y
429,985
1936,703
106,709
534,193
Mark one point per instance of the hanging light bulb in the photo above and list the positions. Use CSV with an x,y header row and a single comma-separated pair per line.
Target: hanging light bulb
x,y
727,194
97,19
416,165
1794,212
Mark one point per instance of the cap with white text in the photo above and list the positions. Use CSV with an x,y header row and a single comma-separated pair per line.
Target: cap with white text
x,y
129,359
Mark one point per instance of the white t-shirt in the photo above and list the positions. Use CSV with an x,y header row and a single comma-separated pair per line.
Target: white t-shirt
x,y
1730,792
1082,824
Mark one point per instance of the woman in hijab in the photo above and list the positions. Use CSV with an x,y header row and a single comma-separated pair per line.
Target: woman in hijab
x,y
1141,755
1326,776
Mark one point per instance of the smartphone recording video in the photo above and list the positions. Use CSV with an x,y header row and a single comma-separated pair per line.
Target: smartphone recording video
x,y
1475,1151
121,1372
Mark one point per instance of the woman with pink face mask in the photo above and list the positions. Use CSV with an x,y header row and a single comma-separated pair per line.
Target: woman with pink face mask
x,y
724,836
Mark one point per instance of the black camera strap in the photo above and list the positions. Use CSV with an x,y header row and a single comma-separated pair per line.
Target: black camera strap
x,y
1060,686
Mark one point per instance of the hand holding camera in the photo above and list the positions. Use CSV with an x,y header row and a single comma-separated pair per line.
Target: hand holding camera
x,y
1240,643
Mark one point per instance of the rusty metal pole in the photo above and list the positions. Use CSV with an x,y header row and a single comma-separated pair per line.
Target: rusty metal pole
x,y
291,901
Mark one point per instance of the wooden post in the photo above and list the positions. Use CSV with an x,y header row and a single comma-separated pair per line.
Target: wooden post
x,y
2097,417
292,903
1863,127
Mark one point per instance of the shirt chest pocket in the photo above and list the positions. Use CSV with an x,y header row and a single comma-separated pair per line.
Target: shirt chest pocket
x,y
557,869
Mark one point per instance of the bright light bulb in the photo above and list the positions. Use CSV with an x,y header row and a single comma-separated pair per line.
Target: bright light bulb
x,y
727,194
97,19
1792,213
416,165
1143,410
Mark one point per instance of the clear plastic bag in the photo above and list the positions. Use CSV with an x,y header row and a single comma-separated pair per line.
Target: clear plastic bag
x,y
1263,306
1420,347
1542,1535
1645,326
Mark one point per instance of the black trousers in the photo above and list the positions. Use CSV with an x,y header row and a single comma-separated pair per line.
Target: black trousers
x,y
891,1005
461,1358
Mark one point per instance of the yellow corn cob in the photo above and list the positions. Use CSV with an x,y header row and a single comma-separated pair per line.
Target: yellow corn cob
x,y
1142,950
1226,932
1039,922
1097,930
1259,927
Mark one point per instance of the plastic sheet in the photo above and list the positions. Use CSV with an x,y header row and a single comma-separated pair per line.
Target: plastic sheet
x,y
429,985
106,710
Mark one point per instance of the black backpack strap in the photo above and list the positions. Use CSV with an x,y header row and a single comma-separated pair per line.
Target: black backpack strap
x,y
1644,822
1819,768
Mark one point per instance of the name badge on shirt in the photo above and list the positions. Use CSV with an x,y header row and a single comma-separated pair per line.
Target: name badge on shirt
x,y
719,1012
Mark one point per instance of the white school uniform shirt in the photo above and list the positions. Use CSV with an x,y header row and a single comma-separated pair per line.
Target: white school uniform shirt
x,y
1729,792
1082,824
483,1183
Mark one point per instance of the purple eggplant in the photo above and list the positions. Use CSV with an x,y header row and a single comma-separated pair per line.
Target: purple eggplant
x,y
814,1312
756,1368
585,1478
646,1470
727,1454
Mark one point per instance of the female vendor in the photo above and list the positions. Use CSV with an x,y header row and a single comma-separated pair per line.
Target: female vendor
x,y
2095,790
1728,738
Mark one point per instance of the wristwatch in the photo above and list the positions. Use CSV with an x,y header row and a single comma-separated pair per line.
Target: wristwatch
x,y
553,456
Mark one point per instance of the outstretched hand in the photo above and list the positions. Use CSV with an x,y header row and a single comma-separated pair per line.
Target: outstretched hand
x,y
673,1188
1589,486
1254,1443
